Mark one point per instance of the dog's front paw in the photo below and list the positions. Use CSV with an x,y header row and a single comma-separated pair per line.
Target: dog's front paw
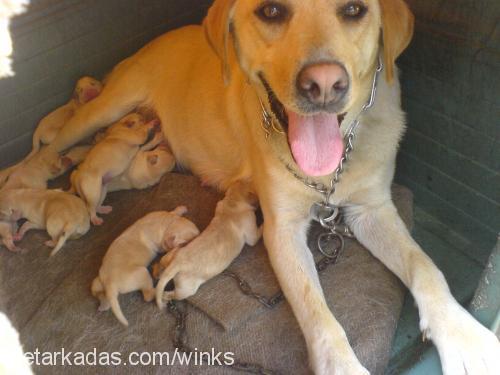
x,y
465,346
336,359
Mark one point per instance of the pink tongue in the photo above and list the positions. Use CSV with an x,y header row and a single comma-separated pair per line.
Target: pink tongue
x,y
316,142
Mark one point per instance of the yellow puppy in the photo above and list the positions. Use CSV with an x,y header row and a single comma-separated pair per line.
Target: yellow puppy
x,y
124,267
214,250
63,215
146,169
108,159
87,88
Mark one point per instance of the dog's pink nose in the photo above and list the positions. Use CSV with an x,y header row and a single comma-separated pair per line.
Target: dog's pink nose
x,y
323,84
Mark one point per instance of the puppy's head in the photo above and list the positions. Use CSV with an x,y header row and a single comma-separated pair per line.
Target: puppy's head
x,y
178,233
131,126
311,62
242,192
87,88
159,161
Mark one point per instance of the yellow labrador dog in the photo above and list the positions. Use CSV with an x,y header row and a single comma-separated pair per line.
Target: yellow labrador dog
x,y
308,68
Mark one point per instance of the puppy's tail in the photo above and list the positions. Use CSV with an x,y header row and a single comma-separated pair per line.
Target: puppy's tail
x,y
167,275
112,295
63,237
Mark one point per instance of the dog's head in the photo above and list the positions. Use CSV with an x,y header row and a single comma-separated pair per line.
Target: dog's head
x,y
311,62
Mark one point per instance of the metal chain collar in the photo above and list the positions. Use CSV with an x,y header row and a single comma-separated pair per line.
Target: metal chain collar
x,y
330,243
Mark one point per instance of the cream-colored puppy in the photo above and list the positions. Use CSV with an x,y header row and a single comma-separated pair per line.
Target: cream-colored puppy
x,y
146,169
63,215
233,226
87,88
109,159
7,230
35,173
124,267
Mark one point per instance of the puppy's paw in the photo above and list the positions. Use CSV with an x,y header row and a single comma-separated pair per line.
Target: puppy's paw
x,y
104,306
96,220
465,346
50,243
14,249
104,210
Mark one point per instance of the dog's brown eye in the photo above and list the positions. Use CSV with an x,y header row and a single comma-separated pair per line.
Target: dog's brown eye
x,y
272,12
353,10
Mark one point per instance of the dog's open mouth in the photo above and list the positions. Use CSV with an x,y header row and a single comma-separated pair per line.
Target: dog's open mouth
x,y
315,140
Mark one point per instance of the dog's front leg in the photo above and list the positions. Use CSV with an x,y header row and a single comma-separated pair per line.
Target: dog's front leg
x,y
292,261
464,345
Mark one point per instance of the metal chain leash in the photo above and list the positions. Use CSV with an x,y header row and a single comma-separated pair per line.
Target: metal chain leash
x,y
178,310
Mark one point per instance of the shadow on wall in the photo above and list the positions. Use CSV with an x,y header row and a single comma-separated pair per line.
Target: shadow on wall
x,y
56,42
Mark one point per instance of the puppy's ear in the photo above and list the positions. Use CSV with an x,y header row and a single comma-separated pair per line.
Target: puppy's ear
x,y
397,29
153,159
169,242
216,25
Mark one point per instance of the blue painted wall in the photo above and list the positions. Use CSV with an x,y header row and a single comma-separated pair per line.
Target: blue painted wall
x,y
450,156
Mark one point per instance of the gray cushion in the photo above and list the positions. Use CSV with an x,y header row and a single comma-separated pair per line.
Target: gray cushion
x,y
50,302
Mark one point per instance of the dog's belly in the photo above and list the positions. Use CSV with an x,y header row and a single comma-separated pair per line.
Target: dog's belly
x,y
203,125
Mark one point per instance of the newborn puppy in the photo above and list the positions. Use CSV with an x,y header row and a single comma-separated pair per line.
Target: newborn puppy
x,y
213,251
7,230
124,267
87,88
146,169
108,159
45,166
63,215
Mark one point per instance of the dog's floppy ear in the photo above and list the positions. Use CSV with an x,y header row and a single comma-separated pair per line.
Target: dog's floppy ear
x,y
216,25
397,29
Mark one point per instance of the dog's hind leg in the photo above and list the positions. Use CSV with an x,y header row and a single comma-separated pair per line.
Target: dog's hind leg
x,y
90,190
121,94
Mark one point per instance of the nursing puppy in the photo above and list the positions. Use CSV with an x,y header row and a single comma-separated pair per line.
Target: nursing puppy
x,y
87,88
36,172
108,159
63,215
7,231
145,170
124,267
233,226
